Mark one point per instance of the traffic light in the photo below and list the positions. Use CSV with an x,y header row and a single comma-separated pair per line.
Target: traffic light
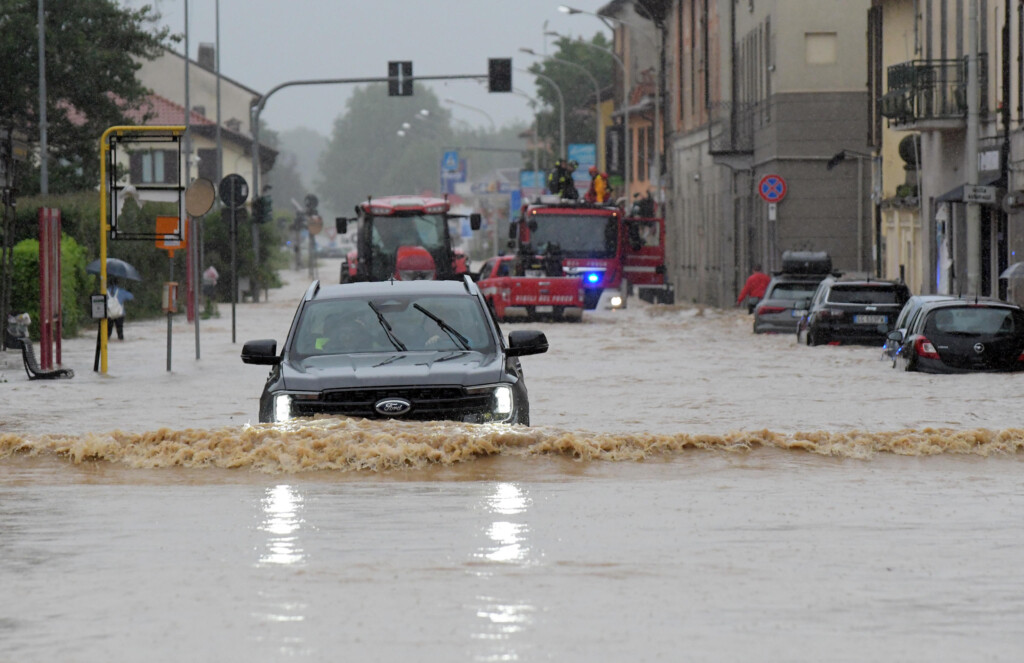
x,y
499,75
311,202
400,78
262,209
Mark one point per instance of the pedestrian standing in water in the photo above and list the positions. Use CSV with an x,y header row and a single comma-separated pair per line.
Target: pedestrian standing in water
x,y
754,288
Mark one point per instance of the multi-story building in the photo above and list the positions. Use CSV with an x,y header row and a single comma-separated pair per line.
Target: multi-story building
x,y
950,227
165,75
766,147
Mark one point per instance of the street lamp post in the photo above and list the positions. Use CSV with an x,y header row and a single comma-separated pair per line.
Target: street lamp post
x,y
657,94
474,108
627,148
561,109
597,88
535,137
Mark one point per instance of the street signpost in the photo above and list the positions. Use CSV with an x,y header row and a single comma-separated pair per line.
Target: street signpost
x,y
772,188
233,191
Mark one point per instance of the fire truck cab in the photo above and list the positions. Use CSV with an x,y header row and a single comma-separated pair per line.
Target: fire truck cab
x,y
613,254
403,237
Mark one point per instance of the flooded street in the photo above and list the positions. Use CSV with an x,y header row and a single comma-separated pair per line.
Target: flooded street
x,y
688,491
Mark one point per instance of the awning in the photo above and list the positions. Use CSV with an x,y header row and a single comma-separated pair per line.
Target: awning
x,y
956,195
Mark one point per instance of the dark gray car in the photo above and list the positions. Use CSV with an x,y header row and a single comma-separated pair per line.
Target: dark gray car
x,y
420,350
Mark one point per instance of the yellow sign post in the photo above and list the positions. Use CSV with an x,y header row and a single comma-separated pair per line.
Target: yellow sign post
x,y
108,181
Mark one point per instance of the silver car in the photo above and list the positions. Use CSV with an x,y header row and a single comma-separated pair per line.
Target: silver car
x,y
785,302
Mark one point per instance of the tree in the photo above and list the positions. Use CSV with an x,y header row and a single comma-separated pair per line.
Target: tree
x,y
91,51
576,88
367,157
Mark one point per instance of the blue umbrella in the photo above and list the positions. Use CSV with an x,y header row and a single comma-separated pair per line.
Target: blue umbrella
x,y
123,295
115,267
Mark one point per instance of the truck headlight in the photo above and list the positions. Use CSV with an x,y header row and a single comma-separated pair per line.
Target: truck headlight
x,y
502,401
283,409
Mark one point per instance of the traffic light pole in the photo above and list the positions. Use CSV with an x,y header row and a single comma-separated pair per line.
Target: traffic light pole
x,y
257,108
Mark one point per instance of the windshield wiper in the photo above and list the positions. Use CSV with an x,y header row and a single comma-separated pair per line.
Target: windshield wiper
x,y
387,328
445,327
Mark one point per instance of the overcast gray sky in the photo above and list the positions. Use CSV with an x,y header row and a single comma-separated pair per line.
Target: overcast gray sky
x,y
267,42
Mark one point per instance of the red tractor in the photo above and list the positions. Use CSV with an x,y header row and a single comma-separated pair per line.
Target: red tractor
x,y
405,238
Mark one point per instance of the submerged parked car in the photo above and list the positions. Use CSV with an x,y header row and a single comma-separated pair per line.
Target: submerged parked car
x,y
422,350
907,313
846,310
961,336
788,293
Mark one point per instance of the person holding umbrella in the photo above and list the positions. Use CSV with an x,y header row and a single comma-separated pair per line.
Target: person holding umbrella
x,y
116,299
116,296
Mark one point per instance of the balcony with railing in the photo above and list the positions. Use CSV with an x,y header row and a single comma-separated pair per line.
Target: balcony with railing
x,y
731,127
931,94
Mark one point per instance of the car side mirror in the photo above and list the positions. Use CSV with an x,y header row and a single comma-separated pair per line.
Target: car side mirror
x,y
263,351
526,342
341,225
895,335
475,221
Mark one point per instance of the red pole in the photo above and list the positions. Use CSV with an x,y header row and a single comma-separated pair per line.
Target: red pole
x,y
44,289
58,309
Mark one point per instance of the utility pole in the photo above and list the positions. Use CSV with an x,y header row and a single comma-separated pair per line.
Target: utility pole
x,y
971,155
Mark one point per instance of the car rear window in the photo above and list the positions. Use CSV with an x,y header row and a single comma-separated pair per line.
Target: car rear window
x,y
792,291
973,321
863,294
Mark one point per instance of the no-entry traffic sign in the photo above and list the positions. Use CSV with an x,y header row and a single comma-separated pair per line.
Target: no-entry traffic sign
x,y
772,188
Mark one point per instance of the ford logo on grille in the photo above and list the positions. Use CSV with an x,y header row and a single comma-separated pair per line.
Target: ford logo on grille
x,y
392,407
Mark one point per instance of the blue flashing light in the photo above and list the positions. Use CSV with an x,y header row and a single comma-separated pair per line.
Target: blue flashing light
x,y
593,277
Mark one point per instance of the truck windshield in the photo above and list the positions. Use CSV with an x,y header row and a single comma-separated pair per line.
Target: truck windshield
x,y
576,235
387,234
391,232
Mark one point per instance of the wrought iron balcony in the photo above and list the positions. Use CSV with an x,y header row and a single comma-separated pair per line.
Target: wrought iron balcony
x,y
933,93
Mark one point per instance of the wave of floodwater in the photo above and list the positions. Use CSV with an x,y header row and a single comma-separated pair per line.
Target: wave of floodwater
x,y
365,445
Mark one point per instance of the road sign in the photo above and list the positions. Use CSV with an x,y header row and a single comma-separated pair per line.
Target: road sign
x,y
450,160
974,193
233,190
772,188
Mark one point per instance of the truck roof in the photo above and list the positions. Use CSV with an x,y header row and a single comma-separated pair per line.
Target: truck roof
x,y
385,205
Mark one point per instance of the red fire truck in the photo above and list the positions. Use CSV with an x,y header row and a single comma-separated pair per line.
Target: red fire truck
x,y
403,237
613,254
527,287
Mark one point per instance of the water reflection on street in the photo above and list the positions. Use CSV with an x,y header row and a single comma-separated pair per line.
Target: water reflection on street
x,y
503,619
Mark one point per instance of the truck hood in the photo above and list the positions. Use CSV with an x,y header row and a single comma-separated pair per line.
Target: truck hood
x,y
387,369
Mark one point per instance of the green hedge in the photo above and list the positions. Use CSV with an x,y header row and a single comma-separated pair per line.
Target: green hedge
x,y
25,284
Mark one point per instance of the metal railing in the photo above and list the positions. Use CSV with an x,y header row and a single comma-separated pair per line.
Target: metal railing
x,y
731,127
924,90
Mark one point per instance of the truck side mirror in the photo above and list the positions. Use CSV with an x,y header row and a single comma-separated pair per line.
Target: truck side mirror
x,y
474,221
341,225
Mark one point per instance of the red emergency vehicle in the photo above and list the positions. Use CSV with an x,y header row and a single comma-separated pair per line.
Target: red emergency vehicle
x,y
612,253
526,287
403,237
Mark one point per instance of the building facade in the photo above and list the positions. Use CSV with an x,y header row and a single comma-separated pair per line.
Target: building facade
x,y
765,97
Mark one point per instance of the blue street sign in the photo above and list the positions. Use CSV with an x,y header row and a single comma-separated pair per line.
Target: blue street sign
x,y
515,201
450,160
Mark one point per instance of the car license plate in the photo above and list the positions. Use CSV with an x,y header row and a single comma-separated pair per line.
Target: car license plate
x,y
544,309
869,319
798,313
